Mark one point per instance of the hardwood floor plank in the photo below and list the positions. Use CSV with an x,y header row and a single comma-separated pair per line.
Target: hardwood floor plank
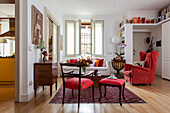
x,y
157,97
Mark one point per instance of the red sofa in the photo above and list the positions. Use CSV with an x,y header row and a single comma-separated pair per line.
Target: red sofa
x,y
142,75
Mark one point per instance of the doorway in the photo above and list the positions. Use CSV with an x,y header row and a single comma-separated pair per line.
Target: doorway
x,y
139,44
52,39
7,50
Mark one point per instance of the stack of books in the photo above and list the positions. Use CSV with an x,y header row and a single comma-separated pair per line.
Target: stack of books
x,y
163,14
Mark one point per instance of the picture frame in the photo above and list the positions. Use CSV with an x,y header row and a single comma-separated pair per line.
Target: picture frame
x,y
37,26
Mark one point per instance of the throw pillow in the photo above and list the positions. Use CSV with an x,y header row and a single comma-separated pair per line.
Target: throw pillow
x,y
101,62
73,61
68,61
93,65
148,60
97,63
139,63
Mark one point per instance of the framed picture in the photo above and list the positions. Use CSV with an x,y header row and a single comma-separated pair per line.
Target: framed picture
x,y
37,26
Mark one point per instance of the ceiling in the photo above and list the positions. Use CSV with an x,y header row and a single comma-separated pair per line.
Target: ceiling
x,y
7,10
108,7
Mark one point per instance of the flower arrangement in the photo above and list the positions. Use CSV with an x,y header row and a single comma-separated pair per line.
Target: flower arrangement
x,y
120,45
86,62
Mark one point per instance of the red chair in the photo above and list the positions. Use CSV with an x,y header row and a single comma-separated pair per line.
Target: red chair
x,y
142,75
77,82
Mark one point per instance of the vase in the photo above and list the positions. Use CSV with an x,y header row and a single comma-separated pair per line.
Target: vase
x,y
139,20
84,69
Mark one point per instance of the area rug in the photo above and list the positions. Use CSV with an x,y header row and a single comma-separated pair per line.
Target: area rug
x,y
112,96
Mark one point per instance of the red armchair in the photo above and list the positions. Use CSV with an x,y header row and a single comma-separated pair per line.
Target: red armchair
x,y
142,75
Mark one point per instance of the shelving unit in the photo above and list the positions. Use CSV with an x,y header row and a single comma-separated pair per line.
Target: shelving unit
x,y
128,30
127,39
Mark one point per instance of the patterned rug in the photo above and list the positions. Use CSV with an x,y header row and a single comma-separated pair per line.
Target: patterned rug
x,y
112,96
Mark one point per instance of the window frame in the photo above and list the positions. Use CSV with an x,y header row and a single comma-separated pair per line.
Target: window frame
x,y
66,23
93,54
92,30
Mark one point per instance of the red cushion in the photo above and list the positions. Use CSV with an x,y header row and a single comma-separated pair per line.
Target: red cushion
x,y
68,61
73,61
148,60
119,82
101,62
73,83
128,73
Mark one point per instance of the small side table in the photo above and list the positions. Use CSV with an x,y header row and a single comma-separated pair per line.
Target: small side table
x,y
118,65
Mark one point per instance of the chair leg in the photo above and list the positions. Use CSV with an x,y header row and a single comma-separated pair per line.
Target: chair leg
x,y
79,99
43,88
104,90
123,91
51,90
72,93
35,92
63,94
56,85
100,91
120,91
93,91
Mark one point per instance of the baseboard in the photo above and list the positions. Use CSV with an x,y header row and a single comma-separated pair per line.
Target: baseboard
x,y
27,98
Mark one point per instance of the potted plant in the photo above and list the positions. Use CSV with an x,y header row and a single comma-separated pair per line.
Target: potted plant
x,y
119,46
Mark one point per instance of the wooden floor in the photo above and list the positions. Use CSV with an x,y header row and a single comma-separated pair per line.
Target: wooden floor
x,y
157,97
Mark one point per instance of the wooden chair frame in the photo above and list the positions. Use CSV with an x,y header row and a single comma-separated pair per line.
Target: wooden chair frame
x,y
71,74
120,90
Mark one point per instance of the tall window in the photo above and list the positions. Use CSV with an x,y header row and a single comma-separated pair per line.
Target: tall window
x,y
84,37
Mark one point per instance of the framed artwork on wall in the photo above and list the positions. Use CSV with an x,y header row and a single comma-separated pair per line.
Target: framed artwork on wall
x,y
37,26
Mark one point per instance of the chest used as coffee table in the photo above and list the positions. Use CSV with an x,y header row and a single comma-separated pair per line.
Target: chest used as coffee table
x,y
96,77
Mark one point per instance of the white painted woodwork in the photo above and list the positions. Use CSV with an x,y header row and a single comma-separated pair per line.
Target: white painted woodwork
x,y
129,43
165,50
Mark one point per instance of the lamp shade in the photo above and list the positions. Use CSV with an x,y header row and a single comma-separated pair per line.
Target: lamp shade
x,y
116,39
2,40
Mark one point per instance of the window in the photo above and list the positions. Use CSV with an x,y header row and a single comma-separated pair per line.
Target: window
x,y
84,37
70,34
7,49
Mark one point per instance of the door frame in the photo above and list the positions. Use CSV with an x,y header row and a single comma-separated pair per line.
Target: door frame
x,y
17,46
48,14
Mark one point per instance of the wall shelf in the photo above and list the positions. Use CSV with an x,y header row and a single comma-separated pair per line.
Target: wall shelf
x,y
145,25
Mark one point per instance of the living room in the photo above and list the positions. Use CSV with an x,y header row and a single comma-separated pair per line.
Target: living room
x,y
113,26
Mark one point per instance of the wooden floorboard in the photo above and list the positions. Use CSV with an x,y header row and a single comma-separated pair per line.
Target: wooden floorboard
x,y
157,97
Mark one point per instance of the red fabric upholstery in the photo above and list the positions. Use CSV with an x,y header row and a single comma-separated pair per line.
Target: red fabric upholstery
x,y
142,75
142,56
128,73
68,61
118,82
101,62
148,60
73,83
73,61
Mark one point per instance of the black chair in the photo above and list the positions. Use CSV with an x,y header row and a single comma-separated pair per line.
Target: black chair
x,y
77,81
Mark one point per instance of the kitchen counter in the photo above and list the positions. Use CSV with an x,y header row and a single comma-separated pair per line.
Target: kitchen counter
x,y
7,69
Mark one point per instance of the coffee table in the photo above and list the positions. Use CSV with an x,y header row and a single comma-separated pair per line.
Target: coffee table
x,y
96,78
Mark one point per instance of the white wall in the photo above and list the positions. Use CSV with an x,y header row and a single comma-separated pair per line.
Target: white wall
x,y
111,28
149,14
157,34
28,57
